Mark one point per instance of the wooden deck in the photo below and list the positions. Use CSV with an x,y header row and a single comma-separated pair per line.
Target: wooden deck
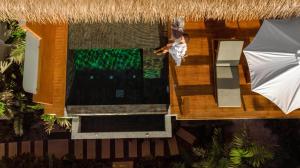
x,y
192,84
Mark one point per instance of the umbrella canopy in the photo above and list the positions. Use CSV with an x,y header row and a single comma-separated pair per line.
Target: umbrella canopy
x,y
273,60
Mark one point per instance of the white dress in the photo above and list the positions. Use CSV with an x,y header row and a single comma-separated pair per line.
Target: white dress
x,y
177,51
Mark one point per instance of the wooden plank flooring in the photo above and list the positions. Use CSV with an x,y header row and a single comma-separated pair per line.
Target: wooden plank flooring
x,y
192,85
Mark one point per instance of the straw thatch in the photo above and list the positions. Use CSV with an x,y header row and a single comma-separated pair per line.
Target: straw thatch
x,y
145,10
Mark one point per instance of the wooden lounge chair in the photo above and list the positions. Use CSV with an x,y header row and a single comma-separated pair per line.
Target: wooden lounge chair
x,y
226,73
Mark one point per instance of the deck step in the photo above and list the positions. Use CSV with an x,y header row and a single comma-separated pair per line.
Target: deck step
x,y
146,148
119,148
105,148
2,150
25,147
58,147
12,149
132,145
173,146
91,149
159,148
186,136
39,148
78,148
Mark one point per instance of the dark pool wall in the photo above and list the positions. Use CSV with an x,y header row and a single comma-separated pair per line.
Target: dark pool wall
x,y
123,123
115,76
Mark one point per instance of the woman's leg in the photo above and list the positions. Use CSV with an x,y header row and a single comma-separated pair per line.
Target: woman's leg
x,y
163,52
158,50
166,47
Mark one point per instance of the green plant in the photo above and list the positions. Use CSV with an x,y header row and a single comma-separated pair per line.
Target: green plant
x,y
215,156
243,151
51,120
18,126
36,107
239,153
2,108
17,39
15,103
18,52
64,122
4,65
16,33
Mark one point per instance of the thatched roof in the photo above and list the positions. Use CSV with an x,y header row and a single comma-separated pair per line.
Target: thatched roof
x,y
145,10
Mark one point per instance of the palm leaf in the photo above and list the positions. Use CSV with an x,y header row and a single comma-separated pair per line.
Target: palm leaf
x,y
260,155
49,126
36,107
4,65
49,121
17,54
18,126
64,122
2,108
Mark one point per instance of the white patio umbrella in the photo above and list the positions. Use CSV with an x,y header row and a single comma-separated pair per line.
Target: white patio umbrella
x,y
273,60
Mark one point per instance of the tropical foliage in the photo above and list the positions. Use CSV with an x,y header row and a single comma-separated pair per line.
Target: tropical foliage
x,y
241,152
51,120
15,103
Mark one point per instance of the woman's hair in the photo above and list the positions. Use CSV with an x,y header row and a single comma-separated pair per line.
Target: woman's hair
x,y
186,37
176,34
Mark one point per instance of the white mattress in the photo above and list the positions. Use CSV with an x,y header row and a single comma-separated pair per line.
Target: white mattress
x,y
31,62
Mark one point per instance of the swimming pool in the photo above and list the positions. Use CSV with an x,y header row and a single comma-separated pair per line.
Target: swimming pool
x,y
116,76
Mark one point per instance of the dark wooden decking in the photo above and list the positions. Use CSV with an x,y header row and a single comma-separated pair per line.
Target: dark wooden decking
x,y
192,85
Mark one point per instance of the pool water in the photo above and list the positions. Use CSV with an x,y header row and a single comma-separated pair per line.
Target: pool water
x,y
108,59
116,76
